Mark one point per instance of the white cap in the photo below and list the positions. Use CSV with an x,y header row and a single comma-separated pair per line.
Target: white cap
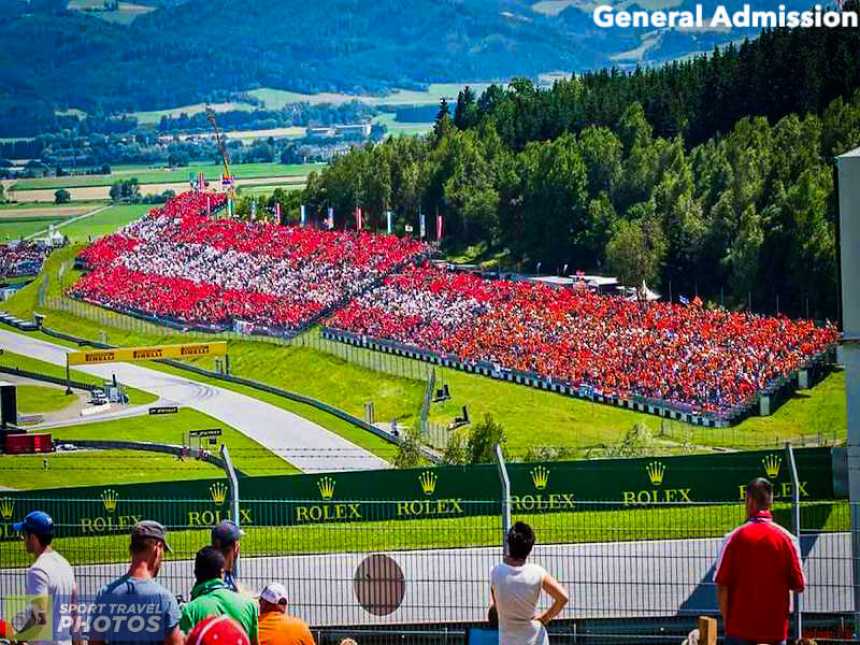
x,y
274,593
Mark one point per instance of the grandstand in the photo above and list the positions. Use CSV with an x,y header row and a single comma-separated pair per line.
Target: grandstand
x,y
180,266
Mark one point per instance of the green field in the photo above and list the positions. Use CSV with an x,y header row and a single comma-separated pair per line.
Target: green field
x,y
90,227
84,468
389,120
435,92
148,175
656,523
16,228
41,398
530,417
104,222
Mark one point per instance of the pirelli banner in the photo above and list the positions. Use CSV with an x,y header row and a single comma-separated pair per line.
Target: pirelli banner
x,y
131,354
428,493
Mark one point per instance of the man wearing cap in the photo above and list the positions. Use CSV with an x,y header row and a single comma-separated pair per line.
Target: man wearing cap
x,y
211,596
137,592
225,538
50,578
276,627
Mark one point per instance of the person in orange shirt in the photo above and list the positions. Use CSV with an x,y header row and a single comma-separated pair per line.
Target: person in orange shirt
x,y
275,626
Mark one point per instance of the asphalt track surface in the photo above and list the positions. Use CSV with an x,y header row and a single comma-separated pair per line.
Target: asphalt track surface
x,y
306,445
637,579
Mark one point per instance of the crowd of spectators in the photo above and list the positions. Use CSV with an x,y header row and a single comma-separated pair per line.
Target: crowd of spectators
x,y
180,263
687,356
22,258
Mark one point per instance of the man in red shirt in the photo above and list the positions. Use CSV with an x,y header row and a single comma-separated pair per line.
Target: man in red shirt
x,y
758,567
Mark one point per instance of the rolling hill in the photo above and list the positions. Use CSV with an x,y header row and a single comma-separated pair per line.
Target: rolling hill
x,y
184,52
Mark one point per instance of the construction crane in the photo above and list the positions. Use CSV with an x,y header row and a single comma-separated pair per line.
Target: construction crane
x,y
227,179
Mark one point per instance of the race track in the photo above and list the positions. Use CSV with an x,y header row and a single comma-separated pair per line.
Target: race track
x,y
308,446
637,579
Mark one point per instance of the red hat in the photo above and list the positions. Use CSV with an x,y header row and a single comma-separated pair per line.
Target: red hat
x,y
217,630
6,631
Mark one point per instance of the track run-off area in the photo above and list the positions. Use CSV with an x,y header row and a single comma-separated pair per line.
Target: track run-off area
x,y
306,445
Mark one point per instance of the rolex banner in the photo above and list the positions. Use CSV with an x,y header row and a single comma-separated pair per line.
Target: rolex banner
x,y
452,491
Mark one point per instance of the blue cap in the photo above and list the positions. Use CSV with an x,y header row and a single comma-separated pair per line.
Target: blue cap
x,y
226,532
37,522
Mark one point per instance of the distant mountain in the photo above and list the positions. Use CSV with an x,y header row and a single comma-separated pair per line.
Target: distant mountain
x,y
188,51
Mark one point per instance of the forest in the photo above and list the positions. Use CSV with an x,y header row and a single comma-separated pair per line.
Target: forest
x,y
729,195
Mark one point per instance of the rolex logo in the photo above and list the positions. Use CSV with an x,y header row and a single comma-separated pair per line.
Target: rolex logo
x,y
326,486
218,492
110,498
540,477
655,471
427,479
772,465
7,507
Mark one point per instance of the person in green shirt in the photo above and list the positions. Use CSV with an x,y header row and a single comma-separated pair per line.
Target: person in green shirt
x,y
211,596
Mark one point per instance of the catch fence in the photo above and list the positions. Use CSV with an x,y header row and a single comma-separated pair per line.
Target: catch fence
x,y
418,570
634,574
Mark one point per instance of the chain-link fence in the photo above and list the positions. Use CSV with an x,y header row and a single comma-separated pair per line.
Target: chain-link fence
x,y
418,571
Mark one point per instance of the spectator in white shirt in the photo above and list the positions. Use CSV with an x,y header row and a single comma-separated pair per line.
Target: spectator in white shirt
x,y
515,592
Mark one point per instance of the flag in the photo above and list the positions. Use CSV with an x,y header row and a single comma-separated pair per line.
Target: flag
x,y
253,210
208,206
389,218
330,218
422,226
278,212
358,219
302,214
697,302
684,301
438,227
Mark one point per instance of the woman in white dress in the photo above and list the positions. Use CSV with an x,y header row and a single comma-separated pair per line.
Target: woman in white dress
x,y
516,588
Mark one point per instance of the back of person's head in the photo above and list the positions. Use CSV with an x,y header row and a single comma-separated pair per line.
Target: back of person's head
x,y
521,539
760,492
208,564
217,630
142,546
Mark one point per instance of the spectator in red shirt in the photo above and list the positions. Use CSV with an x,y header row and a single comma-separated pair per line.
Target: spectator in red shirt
x,y
759,565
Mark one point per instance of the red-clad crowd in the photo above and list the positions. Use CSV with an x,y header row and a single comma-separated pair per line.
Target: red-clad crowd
x,y
706,361
22,258
180,263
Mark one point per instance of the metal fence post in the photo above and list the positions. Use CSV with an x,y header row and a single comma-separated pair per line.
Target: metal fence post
x,y
506,496
795,512
234,494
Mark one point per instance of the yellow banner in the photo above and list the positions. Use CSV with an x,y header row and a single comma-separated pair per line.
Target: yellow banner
x,y
128,354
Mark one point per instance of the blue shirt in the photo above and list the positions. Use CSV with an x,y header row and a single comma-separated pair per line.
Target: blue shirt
x,y
133,610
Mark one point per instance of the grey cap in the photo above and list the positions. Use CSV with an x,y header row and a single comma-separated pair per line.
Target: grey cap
x,y
150,529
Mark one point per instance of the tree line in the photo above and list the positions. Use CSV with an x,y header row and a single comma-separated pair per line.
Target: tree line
x,y
745,217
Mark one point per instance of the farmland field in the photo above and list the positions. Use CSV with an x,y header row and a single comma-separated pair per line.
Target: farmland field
x,y
149,175
276,99
154,116
104,222
389,120
16,228
89,193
